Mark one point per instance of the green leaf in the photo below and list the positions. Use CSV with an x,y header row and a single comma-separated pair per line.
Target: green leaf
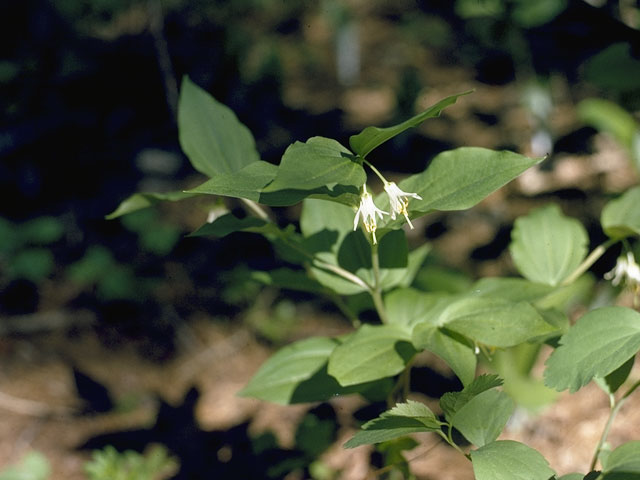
x,y
317,163
599,343
33,466
393,457
328,231
33,264
139,201
210,133
621,217
509,460
247,182
514,365
623,463
458,179
547,246
495,322
458,355
615,67
229,223
371,353
572,476
372,137
415,260
529,14
41,230
289,279
483,417
452,402
609,117
408,307
512,289
278,378
403,419
612,382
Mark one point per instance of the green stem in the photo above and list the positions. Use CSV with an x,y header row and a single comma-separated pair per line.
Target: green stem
x,y
375,170
615,408
256,209
449,439
347,275
590,260
376,292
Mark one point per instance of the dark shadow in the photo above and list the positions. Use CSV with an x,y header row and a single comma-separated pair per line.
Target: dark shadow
x,y
225,454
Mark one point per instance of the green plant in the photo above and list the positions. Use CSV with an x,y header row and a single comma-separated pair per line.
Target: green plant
x,y
33,466
24,251
351,247
109,464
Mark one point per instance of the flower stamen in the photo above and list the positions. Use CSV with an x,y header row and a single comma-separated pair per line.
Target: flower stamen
x,y
399,200
368,211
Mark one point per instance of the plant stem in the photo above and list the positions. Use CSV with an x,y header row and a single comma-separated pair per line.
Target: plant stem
x,y
256,209
590,260
376,292
375,170
603,438
615,408
447,438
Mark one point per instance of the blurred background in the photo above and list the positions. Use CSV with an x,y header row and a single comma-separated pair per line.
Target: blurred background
x,y
125,332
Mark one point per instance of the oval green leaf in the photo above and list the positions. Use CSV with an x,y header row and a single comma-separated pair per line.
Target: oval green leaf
x,y
278,378
599,343
458,355
547,246
371,353
509,460
494,322
483,418
621,217
458,179
623,462
211,135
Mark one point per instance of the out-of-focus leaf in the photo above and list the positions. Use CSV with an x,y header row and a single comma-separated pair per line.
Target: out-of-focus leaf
x,y
34,466
614,67
41,230
621,217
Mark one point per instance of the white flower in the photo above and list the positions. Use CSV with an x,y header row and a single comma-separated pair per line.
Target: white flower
x,y
368,210
399,200
626,269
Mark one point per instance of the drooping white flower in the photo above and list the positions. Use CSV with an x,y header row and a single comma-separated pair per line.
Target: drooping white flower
x,y
368,211
626,270
399,200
